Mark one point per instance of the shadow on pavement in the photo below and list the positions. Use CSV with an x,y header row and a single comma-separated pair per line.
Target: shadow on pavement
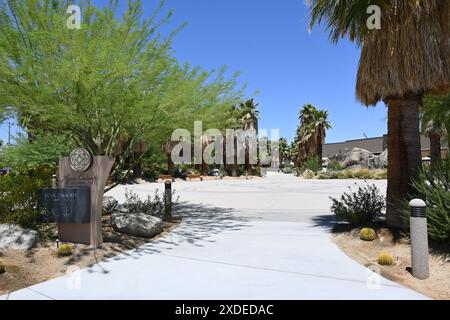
x,y
327,222
200,223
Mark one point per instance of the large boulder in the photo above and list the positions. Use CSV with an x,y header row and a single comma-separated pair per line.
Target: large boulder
x,y
358,157
16,238
383,160
137,224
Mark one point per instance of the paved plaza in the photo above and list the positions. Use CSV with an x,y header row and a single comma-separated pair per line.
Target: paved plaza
x,y
240,239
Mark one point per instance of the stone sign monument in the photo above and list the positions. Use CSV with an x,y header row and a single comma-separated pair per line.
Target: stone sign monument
x,y
80,171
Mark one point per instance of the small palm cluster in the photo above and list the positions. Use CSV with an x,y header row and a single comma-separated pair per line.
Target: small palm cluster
x,y
311,133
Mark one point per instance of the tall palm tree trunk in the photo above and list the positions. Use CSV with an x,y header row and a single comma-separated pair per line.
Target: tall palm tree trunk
x,y
319,149
404,153
234,166
435,149
138,152
224,155
247,167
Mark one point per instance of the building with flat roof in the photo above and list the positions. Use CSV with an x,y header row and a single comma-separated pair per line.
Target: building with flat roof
x,y
375,145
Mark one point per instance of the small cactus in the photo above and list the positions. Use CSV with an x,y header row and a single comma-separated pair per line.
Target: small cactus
x,y
64,250
2,267
385,259
367,234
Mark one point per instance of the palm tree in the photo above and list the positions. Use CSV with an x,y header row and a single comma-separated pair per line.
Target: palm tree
x,y
293,150
283,149
312,132
406,58
436,124
233,121
250,118
204,166
320,125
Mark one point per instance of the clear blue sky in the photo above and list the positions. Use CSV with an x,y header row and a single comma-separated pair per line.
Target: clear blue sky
x,y
268,41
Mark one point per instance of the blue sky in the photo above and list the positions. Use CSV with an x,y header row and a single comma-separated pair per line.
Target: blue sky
x,y
269,43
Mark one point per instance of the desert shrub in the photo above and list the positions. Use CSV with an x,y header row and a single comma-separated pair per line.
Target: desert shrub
x,y
19,195
367,234
361,207
288,169
322,176
311,164
362,174
345,174
334,165
151,205
151,172
327,175
110,205
434,188
2,267
308,174
385,259
380,175
64,250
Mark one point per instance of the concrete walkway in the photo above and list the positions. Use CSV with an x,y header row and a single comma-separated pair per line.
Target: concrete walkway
x,y
257,239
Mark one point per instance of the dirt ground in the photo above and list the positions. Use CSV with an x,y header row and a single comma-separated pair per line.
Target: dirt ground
x,y
24,269
366,253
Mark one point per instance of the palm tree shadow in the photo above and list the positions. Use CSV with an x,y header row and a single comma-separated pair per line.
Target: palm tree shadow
x,y
329,223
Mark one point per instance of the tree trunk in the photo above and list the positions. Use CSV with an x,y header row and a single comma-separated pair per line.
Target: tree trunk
x,y
170,165
319,150
247,167
404,153
137,167
204,169
223,166
204,166
234,166
435,149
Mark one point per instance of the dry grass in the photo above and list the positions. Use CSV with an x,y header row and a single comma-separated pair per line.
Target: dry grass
x,y
367,253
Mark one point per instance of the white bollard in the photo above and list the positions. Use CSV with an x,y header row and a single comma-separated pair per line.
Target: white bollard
x,y
419,239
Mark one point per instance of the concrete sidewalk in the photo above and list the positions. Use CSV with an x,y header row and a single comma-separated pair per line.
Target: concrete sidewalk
x,y
255,239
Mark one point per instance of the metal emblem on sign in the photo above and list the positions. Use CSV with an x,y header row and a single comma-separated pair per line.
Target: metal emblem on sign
x,y
80,160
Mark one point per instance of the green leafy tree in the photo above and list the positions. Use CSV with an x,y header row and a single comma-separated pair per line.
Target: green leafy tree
x,y
113,86
44,151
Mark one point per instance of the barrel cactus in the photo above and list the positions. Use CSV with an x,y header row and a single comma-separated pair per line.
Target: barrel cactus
x,y
367,234
64,250
385,259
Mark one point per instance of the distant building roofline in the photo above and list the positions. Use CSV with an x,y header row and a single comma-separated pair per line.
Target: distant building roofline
x,y
354,140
